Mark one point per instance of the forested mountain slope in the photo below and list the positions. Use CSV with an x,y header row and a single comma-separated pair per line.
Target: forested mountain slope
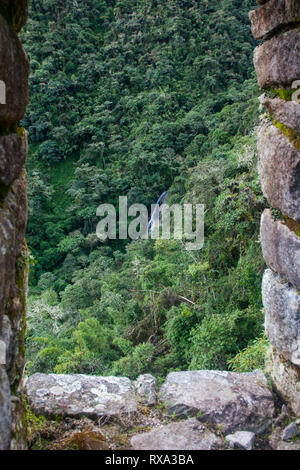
x,y
134,97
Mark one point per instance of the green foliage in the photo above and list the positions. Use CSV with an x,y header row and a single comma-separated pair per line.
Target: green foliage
x,y
178,331
136,363
34,423
134,98
217,338
125,96
250,358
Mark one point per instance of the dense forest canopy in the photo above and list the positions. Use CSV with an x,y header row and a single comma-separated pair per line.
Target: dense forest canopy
x,y
135,97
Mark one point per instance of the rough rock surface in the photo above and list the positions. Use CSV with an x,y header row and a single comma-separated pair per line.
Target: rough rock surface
x,y
13,216
274,15
80,395
185,435
282,316
276,442
2,353
286,379
285,112
16,310
233,401
5,411
277,61
241,440
5,340
13,151
279,170
282,417
19,422
14,69
146,388
290,431
15,12
13,288
281,248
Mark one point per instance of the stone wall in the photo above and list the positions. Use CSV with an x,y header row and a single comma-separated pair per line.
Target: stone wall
x,y
14,69
277,63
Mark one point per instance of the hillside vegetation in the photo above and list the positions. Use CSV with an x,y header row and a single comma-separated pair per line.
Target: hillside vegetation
x,y
135,97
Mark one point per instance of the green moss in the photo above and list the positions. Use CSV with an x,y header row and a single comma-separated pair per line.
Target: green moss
x,y
284,94
34,425
292,225
19,313
6,129
292,135
20,131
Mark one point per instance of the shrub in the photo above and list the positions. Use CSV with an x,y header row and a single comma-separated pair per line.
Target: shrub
x,y
250,358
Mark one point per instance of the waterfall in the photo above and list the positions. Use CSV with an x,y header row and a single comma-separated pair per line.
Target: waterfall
x,y
156,213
